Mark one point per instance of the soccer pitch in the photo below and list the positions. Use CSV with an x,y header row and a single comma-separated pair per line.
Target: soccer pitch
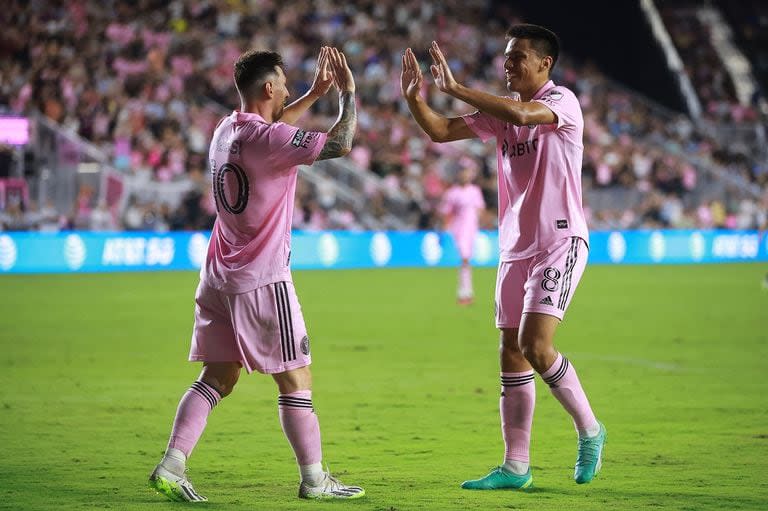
x,y
673,359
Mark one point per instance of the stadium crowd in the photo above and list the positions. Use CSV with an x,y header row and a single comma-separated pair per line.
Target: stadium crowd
x,y
145,82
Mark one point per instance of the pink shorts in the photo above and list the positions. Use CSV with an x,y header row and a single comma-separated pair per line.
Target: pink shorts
x,y
543,283
262,329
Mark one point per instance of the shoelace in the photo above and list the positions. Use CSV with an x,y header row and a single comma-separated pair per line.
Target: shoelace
x,y
333,483
589,451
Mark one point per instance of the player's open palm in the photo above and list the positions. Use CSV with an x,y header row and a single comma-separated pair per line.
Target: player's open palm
x,y
440,71
411,78
342,74
323,75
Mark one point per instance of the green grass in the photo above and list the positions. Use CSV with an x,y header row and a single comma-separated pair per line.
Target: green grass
x,y
406,388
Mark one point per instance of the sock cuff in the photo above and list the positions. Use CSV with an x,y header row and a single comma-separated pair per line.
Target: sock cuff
x,y
516,379
207,392
556,372
301,399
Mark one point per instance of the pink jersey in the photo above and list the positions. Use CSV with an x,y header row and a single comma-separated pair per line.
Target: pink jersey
x,y
539,175
462,204
254,170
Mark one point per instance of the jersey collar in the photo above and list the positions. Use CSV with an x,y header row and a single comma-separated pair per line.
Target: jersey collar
x,y
246,116
544,88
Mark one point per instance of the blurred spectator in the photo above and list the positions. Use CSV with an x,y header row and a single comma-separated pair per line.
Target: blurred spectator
x,y
145,81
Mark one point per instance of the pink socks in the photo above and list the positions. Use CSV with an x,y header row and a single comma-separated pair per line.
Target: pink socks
x,y
565,386
465,281
192,416
518,397
300,425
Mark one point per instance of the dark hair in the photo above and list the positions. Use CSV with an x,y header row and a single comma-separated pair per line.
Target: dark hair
x,y
543,40
253,67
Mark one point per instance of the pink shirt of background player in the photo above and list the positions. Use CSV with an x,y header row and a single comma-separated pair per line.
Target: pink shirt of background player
x,y
254,169
539,175
462,204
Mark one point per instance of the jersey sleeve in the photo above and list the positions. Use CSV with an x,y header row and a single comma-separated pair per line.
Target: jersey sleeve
x,y
564,105
485,126
290,146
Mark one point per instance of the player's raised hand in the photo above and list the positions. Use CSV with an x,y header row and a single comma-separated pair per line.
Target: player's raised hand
x,y
342,74
440,71
323,75
411,78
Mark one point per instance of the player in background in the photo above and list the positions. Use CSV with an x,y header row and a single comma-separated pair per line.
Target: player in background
x,y
542,233
247,314
460,207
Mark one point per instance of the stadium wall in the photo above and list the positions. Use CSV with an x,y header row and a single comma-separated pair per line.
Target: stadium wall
x,y
26,252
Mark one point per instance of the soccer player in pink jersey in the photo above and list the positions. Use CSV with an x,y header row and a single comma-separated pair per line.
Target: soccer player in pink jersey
x,y
460,207
247,314
542,234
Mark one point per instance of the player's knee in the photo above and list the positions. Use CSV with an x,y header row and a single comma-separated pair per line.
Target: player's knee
x,y
224,386
223,381
227,387
509,340
294,380
536,355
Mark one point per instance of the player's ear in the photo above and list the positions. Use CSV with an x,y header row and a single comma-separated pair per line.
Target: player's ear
x,y
546,64
269,90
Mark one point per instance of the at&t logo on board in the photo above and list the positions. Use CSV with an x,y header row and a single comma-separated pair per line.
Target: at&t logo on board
x,y
197,249
483,248
657,246
617,247
381,249
328,249
8,252
431,250
74,252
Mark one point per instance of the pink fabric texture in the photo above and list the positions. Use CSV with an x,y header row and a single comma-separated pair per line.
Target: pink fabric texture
x,y
565,386
518,398
254,165
465,280
539,175
462,204
192,416
300,425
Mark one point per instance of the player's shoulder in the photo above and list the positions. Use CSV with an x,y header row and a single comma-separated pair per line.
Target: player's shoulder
x,y
558,93
286,130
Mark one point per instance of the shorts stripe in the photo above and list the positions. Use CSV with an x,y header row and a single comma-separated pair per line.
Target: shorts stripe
x,y
281,320
570,264
292,344
286,326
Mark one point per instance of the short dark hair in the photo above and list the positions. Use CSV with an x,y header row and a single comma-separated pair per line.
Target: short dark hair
x,y
544,41
253,67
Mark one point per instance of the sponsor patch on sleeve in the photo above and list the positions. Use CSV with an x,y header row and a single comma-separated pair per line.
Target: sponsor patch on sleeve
x,y
303,138
562,224
298,137
553,96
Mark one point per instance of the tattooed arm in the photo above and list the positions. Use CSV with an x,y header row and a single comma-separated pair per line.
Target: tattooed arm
x,y
339,141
